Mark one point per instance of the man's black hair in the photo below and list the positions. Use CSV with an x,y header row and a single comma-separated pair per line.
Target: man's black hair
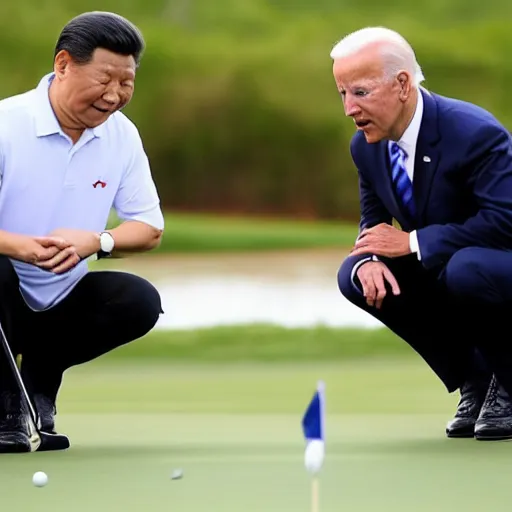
x,y
91,30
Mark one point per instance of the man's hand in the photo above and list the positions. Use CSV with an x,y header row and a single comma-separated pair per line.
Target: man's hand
x,y
35,249
382,240
373,276
82,245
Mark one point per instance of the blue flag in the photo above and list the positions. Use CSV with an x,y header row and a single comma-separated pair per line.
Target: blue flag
x,y
313,427
313,422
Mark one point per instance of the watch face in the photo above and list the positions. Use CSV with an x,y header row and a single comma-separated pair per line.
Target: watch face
x,y
106,242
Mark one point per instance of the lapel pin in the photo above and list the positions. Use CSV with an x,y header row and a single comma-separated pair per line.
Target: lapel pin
x,y
426,159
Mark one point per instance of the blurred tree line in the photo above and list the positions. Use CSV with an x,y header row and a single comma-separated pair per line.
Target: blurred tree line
x,y
235,99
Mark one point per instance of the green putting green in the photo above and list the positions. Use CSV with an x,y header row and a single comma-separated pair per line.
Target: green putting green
x,y
235,432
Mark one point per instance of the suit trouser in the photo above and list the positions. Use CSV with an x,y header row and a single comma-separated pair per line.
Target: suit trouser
x,y
444,329
104,311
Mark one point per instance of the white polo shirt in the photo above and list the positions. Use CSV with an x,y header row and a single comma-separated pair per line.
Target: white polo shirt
x,y
47,183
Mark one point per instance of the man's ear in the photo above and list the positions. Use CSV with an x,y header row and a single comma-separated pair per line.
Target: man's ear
x,y
62,63
404,79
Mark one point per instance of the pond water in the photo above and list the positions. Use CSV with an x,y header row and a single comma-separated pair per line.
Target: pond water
x,y
291,288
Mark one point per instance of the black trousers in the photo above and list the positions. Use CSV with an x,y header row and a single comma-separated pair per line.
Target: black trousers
x,y
105,310
448,331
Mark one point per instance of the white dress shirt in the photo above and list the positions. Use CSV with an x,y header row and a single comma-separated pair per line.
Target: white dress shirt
x,y
408,143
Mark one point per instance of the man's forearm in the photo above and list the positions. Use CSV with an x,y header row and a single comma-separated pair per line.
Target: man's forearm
x,y
6,243
134,236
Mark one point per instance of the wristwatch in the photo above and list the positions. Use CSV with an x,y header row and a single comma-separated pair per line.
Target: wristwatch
x,y
106,245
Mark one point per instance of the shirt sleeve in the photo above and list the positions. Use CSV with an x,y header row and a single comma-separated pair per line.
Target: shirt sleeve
x,y
137,198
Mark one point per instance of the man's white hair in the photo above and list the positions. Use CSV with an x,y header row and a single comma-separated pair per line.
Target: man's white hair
x,y
397,52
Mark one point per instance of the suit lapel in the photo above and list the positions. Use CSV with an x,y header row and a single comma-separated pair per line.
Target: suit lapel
x,y
427,154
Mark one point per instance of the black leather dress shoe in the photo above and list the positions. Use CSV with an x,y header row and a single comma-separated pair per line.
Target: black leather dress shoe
x,y
50,439
495,420
472,398
14,435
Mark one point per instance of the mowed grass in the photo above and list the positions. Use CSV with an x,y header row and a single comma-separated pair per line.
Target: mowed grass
x,y
212,233
263,343
235,431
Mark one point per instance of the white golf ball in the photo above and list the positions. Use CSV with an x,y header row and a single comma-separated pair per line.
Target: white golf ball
x,y
40,479
177,474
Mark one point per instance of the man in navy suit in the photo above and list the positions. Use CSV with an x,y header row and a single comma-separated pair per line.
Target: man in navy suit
x,y
442,169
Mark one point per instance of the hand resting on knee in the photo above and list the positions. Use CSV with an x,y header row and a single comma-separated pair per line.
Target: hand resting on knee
x,y
373,277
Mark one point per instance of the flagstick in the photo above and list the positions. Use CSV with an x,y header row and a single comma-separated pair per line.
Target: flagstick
x,y
315,494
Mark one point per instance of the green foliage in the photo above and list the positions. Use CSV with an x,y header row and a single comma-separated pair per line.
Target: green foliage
x,y
210,233
235,99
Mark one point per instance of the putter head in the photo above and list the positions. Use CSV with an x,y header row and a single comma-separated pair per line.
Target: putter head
x,y
53,442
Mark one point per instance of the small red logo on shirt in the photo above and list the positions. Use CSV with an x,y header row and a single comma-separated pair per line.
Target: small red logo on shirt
x,y
99,182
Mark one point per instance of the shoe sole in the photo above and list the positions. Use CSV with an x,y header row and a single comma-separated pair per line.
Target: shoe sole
x,y
460,436
15,449
15,446
461,433
48,442
493,438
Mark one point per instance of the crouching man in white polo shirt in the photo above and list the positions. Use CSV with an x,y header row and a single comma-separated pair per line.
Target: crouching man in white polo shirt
x,y
67,156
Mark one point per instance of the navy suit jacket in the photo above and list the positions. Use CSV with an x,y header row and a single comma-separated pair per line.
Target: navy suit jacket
x,y
462,182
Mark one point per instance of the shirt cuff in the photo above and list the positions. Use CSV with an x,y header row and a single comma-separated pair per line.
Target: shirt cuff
x,y
356,267
413,244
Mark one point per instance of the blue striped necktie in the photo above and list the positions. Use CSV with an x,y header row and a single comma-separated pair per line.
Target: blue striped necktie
x,y
401,181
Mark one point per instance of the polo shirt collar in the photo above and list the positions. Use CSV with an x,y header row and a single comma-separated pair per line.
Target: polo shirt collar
x,y
45,118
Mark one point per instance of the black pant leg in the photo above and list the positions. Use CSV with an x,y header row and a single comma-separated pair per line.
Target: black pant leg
x,y
424,315
14,318
104,311
482,278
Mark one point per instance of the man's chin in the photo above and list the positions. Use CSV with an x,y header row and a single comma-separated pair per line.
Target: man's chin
x,y
97,120
372,136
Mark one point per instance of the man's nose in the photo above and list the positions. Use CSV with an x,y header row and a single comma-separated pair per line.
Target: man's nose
x,y
351,107
112,97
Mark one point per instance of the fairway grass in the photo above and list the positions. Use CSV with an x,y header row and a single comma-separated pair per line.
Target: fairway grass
x,y
216,233
263,343
235,432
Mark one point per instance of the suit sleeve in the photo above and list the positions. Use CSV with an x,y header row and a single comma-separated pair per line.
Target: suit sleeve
x,y
373,211
490,161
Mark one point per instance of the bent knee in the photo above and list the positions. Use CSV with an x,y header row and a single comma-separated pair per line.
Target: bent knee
x,y
463,274
346,280
145,306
